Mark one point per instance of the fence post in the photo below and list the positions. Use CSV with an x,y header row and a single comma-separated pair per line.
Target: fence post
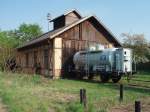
x,y
81,96
121,92
84,98
137,106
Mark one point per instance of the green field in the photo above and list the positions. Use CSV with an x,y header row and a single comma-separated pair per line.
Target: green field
x,y
33,93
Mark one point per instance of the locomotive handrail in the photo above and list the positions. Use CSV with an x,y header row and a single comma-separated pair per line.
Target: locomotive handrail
x,y
87,52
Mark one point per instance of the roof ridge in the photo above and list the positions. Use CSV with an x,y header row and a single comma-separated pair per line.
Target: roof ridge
x,y
107,29
53,33
59,30
71,25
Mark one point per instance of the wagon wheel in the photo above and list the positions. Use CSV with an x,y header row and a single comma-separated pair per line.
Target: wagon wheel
x,y
116,79
104,77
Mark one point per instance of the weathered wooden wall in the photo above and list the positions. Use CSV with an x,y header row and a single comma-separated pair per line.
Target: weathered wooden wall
x,y
79,38
30,68
70,18
62,48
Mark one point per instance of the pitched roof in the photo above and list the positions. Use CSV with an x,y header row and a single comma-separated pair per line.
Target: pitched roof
x,y
54,33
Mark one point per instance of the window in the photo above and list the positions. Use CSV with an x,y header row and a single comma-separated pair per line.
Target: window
x,y
46,58
27,59
125,53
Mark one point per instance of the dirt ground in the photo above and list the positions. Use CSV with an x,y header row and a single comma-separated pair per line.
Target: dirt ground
x,y
3,108
145,107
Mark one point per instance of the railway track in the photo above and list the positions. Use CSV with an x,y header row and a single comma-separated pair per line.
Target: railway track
x,y
140,80
139,86
137,83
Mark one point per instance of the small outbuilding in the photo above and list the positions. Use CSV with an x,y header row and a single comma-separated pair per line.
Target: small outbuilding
x,y
51,54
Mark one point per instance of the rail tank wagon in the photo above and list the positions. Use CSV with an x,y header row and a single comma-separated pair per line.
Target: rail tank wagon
x,y
108,63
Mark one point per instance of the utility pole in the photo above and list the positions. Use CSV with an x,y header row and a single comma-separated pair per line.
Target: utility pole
x,y
48,19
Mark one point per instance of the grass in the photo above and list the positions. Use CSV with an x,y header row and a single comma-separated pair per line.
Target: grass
x,y
141,79
34,93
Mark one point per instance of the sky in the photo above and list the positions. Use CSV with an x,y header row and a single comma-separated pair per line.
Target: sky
x,y
120,16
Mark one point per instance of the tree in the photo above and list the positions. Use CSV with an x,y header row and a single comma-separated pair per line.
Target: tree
x,y
26,32
140,46
9,40
7,44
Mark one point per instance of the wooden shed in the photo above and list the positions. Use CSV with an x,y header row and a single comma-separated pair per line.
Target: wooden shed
x,y
51,54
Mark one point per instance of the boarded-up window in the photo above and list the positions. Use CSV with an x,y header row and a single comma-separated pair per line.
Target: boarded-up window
x,y
27,59
46,58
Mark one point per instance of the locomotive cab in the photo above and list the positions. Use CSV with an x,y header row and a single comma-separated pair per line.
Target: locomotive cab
x,y
122,63
123,60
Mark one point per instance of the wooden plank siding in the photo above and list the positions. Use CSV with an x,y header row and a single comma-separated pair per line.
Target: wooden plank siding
x,y
61,50
30,68
70,18
79,38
